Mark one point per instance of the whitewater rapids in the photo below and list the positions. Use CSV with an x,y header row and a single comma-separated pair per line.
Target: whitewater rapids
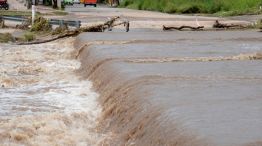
x,y
42,100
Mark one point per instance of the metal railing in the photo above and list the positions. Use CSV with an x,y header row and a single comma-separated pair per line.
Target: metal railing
x,y
11,18
76,24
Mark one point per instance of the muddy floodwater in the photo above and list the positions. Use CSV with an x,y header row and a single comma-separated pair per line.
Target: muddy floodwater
x,y
42,100
137,89
177,88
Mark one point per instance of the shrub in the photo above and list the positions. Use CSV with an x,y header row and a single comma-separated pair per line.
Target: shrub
x,y
6,37
29,36
41,24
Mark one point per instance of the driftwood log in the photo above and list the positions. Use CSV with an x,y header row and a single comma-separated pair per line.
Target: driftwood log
x,y
182,28
71,33
64,35
218,24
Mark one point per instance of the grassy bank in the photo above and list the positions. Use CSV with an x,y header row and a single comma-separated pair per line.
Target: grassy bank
x,y
219,7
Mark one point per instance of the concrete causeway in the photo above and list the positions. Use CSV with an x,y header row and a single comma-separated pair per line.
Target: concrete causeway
x,y
184,88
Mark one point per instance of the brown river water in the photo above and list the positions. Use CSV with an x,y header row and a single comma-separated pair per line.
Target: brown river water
x,y
155,89
42,100
177,88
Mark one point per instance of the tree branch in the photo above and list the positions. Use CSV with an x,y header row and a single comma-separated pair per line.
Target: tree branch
x,y
182,27
96,28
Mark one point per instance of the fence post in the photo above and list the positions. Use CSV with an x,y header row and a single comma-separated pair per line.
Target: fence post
x,y
78,24
61,23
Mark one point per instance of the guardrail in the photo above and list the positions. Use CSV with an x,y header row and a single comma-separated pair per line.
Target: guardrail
x,y
11,18
76,24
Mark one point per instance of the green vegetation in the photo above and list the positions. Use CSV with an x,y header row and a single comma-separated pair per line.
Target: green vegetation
x,y
68,2
29,36
41,24
218,7
6,37
259,24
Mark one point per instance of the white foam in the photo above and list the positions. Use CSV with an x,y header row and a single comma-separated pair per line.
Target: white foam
x,y
40,85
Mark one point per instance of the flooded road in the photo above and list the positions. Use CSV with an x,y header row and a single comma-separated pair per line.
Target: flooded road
x,y
155,88
43,101
177,88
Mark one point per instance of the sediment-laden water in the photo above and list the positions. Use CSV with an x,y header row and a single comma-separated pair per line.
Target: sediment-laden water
x,y
177,88
181,88
42,100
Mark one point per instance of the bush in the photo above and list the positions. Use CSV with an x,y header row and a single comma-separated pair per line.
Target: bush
x,y
190,9
29,36
41,24
6,37
170,8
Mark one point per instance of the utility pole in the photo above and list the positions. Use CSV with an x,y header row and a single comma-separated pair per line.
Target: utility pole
x,y
33,12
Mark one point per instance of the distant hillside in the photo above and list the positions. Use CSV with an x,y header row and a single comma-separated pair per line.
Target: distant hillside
x,y
220,7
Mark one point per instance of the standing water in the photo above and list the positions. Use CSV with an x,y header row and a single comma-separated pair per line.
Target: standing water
x,y
42,101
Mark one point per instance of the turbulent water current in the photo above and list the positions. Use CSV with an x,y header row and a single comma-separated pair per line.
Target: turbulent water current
x,y
42,100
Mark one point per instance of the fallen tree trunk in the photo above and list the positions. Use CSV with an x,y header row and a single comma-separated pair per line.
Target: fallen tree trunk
x,y
96,28
218,24
67,34
183,27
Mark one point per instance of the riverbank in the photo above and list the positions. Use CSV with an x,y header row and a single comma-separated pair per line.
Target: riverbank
x,y
183,88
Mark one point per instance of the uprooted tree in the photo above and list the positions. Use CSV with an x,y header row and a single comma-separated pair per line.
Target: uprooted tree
x,y
108,25
218,24
182,27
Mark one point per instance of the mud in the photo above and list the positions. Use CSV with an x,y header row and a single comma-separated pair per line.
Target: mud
x,y
176,88
43,101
